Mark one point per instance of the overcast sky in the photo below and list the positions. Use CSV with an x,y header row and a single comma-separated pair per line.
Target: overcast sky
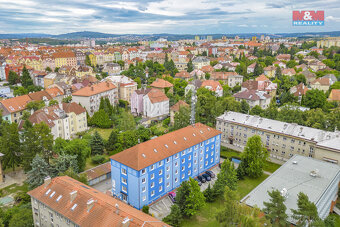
x,y
151,16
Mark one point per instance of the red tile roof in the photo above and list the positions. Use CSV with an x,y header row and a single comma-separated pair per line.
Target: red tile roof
x,y
54,92
335,95
95,89
106,210
211,85
98,171
39,95
156,95
160,83
16,104
178,105
154,150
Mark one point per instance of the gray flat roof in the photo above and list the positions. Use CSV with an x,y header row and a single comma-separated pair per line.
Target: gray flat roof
x,y
296,178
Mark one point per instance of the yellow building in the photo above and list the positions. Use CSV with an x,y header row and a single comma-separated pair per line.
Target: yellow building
x,y
65,59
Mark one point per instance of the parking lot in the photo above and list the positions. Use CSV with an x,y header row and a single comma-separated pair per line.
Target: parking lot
x,y
162,207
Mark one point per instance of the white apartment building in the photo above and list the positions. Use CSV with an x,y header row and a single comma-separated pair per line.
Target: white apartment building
x,y
89,97
283,140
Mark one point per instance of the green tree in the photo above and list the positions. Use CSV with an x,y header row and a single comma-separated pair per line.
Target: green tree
x,y
87,60
182,118
256,110
13,78
111,142
22,218
275,209
145,209
19,90
209,194
226,177
258,70
175,217
291,64
67,99
65,162
35,105
79,147
53,102
315,98
10,146
244,106
228,215
40,169
190,66
97,144
100,119
307,213
254,156
26,79
48,69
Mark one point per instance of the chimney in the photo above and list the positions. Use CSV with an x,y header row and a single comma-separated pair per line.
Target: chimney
x,y
73,195
47,181
92,88
90,204
107,84
126,222
117,208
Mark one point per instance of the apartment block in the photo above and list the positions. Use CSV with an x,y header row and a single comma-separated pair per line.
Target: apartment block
x,y
283,140
65,202
146,172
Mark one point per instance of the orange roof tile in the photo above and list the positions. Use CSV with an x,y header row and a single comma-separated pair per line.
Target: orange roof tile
x,y
153,151
95,89
160,83
16,104
106,210
335,95
178,105
211,83
54,92
262,77
156,96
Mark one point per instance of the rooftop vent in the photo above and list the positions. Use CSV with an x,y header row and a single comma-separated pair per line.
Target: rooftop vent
x,y
48,191
126,222
155,150
201,131
184,138
47,181
144,156
295,162
194,134
284,192
74,207
52,194
59,197
175,142
208,129
90,204
314,173
166,145
117,208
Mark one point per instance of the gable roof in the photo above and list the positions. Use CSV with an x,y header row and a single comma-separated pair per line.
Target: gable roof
x,y
144,154
252,95
211,85
106,210
39,95
160,83
54,92
335,95
156,95
95,89
178,105
16,104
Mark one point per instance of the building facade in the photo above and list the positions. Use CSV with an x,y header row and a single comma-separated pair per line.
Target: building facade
x,y
146,172
283,140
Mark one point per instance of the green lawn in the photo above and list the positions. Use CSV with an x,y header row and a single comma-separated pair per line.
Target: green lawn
x,y
14,188
206,216
229,153
90,165
104,132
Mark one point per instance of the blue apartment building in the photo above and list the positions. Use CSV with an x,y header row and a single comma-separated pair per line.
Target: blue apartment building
x,y
144,173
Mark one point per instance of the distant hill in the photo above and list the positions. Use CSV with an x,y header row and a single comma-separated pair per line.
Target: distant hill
x,y
136,37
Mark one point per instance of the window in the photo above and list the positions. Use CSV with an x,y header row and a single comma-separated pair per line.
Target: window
x,y
201,144
212,146
206,163
176,172
143,171
207,149
160,180
183,168
124,189
167,176
189,165
167,160
201,166
206,156
211,160
152,167
124,181
195,161
167,168
176,179
160,163
152,192
160,188
183,175
195,169
51,216
160,172
201,152
189,157
144,198
212,153
124,171
183,153
143,189
195,154
201,159
167,184
176,156
143,180
176,164
152,184
189,172
183,160
152,176
196,147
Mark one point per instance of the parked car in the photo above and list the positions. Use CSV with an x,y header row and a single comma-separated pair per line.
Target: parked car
x,y
172,196
210,173
198,181
206,176
202,179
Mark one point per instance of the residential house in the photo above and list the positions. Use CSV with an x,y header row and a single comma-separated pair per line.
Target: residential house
x,y
230,78
175,108
214,86
162,85
13,108
136,102
316,65
83,70
322,83
310,77
269,71
40,96
200,61
64,201
193,85
65,119
184,75
111,68
288,72
126,86
334,95
299,90
64,59
81,57
89,97
283,57
250,68
144,173
253,98
155,104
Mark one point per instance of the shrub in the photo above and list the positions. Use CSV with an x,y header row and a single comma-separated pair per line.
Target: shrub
x,y
145,209
98,159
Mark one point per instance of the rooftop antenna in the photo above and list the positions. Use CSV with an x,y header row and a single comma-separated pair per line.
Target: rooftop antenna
x,y
193,105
